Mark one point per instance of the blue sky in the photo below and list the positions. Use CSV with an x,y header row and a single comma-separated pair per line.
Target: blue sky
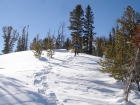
x,y
45,15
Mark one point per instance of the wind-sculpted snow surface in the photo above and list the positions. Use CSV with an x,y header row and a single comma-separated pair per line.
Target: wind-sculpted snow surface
x,y
62,80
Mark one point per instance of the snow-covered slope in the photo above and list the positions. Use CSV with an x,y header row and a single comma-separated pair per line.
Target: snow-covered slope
x,y
62,80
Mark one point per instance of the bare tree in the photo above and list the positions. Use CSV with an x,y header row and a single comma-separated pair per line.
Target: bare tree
x,y
61,37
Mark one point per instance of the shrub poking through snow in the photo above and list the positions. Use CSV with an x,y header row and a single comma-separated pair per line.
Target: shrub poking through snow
x,y
50,46
36,47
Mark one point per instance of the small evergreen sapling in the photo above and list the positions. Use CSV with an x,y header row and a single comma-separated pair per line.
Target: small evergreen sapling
x,y
36,47
50,46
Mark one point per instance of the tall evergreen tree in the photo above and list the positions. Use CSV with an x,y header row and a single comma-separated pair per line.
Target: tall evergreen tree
x,y
88,28
26,39
19,45
76,23
10,37
23,40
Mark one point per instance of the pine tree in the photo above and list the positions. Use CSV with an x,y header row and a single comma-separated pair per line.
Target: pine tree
x,y
67,44
124,53
119,63
50,46
109,49
100,44
32,43
116,59
22,44
19,45
129,22
26,39
76,23
23,39
10,37
44,43
36,47
88,28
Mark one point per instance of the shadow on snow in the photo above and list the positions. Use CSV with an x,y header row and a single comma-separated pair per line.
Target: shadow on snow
x,y
13,91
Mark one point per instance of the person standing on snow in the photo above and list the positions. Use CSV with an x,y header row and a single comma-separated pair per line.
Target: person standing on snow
x,y
76,47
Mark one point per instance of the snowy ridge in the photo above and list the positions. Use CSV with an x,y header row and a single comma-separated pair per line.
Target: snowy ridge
x,y
62,80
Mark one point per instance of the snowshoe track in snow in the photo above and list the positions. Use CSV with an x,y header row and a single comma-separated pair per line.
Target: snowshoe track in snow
x,y
41,82
41,79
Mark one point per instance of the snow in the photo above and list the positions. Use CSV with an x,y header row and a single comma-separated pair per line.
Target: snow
x,y
63,80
